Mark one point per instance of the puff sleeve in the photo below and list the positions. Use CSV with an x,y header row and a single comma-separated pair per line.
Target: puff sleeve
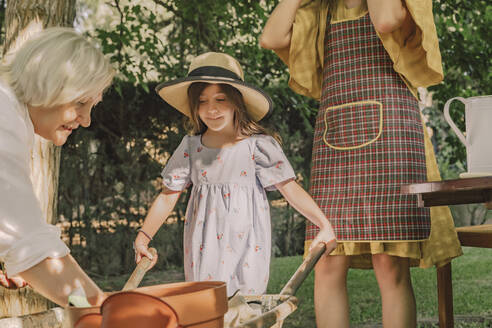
x,y
177,173
271,164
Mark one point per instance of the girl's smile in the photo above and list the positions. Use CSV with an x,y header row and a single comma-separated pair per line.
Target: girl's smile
x,y
215,110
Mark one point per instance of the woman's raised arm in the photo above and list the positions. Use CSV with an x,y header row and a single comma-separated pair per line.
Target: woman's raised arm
x,y
278,29
387,15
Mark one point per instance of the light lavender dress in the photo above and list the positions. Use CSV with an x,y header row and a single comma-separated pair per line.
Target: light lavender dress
x,y
227,235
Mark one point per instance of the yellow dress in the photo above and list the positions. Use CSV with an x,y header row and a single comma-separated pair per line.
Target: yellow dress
x,y
416,57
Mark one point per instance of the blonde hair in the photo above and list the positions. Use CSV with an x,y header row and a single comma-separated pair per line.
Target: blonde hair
x,y
243,124
57,66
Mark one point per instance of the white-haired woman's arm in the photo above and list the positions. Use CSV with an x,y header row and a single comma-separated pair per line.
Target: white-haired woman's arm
x,y
58,278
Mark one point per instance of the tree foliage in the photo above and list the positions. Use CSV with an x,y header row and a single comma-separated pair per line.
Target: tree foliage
x,y
110,172
463,28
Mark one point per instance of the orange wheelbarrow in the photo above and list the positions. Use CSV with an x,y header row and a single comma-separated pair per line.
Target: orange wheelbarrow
x,y
190,304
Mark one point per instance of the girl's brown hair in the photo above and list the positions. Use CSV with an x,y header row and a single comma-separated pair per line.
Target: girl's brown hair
x,y
243,124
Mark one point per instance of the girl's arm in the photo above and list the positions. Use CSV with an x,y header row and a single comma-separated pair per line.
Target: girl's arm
x,y
158,213
299,199
387,15
278,29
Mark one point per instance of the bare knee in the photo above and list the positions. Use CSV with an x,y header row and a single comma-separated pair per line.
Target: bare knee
x,y
391,270
332,268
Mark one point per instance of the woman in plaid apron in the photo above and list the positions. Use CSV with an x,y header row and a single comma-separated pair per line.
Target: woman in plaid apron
x,y
368,141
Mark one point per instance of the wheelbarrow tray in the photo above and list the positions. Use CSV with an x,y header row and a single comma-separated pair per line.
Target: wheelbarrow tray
x,y
276,307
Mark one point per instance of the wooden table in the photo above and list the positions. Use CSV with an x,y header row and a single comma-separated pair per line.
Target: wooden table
x,y
454,192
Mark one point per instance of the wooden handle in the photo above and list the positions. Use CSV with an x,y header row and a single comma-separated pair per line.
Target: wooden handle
x,y
304,269
139,272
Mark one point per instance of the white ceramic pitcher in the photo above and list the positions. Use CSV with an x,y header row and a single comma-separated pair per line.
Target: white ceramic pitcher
x,y
478,140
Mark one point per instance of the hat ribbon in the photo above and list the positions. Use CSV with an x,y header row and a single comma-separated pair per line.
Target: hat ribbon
x,y
214,71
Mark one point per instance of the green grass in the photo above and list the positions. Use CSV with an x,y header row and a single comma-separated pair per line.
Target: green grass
x,y
472,291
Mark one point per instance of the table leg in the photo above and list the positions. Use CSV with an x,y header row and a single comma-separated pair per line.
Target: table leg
x,y
445,296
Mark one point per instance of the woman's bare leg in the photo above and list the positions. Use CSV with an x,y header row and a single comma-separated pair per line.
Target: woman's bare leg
x,y
330,292
395,285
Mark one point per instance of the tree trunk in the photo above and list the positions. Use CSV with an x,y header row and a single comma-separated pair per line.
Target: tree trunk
x,y
22,19
34,15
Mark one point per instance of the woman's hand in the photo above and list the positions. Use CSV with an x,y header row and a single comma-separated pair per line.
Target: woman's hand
x,y
14,282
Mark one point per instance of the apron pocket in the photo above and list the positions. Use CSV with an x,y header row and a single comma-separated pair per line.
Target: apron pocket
x,y
353,125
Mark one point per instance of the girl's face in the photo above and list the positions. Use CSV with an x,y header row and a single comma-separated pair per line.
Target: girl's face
x,y
56,123
215,110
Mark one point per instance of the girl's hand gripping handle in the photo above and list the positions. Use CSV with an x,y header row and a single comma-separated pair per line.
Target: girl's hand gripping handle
x,y
326,235
142,251
143,265
304,269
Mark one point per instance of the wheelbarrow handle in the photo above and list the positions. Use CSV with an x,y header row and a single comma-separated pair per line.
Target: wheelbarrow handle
x,y
139,272
304,269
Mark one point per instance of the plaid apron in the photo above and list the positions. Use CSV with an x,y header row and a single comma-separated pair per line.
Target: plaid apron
x,y
368,141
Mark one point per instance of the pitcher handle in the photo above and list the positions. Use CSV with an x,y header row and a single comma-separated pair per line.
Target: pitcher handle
x,y
450,120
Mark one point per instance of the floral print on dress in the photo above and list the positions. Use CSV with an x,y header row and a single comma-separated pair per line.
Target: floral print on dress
x,y
227,232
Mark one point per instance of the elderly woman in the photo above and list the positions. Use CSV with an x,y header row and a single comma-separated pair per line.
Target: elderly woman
x,y
48,87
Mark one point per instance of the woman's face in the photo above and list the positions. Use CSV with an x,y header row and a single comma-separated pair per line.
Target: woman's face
x,y
216,110
56,123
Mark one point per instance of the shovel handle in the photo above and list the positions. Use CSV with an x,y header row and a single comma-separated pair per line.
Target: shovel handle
x,y
304,269
139,272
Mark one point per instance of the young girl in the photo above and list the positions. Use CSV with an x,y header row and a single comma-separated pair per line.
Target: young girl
x,y
364,60
230,160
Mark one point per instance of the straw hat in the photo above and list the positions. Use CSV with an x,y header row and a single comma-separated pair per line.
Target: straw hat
x,y
215,67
